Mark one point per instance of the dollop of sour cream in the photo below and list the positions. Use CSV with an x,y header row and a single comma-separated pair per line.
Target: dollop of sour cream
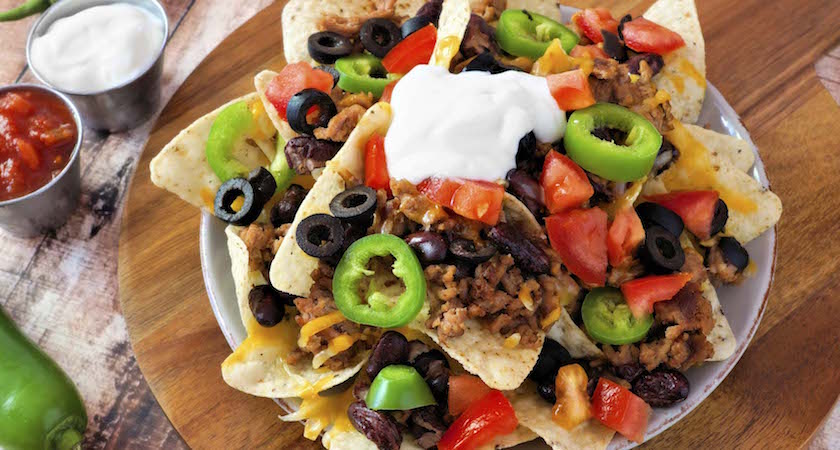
x,y
98,48
466,125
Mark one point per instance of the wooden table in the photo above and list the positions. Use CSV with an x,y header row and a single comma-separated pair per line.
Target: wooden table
x,y
62,288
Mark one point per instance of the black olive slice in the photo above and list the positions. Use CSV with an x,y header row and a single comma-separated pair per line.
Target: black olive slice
x,y
661,253
320,235
624,20
734,253
356,204
285,209
720,218
485,62
300,104
465,250
228,192
268,304
654,214
613,46
263,183
379,36
552,357
413,24
326,47
332,71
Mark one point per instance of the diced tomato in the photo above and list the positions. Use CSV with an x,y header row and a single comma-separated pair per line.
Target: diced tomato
x,y
293,79
642,293
621,410
477,200
695,208
645,36
580,237
28,154
625,235
571,90
592,20
414,50
565,184
463,391
376,167
389,90
491,416
588,51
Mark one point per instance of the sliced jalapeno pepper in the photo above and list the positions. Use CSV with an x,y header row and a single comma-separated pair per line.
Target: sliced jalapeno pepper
x,y
379,309
283,174
523,33
609,160
231,123
363,73
608,319
399,388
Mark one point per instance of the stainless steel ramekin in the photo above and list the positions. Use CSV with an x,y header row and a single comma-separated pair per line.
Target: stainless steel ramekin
x,y
49,207
121,107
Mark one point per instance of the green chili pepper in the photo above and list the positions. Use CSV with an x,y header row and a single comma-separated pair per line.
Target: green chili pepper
x,y
363,73
608,319
283,174
628,162
231,123
39,406
523,33
399,388
379,309
25,10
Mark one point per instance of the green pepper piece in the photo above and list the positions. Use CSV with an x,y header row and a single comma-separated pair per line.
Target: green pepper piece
x,y
628,162
39,406
363,73
283,174
231,123
398,388
378,309
608,319
523,33
25,9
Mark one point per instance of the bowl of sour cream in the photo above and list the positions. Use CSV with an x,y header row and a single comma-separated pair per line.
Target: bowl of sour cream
x,y
106,55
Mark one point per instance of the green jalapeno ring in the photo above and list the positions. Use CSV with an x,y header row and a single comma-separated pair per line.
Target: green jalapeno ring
x,y
523,33
359,74
231,123
283,174
608,319
606,159
376,310
398,388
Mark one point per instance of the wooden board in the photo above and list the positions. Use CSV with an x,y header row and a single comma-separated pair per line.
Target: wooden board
x,y
778,394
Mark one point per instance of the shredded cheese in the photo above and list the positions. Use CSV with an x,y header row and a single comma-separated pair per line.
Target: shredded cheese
x,y
318,325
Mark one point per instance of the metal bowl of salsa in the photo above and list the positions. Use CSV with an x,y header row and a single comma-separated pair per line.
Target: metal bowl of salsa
x,y
40,140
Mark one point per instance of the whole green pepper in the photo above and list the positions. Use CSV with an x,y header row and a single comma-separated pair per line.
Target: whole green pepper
x,y
40,407
363,73
26,9
523,33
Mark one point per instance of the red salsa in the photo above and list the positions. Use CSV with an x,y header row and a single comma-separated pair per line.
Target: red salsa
x,y
37,136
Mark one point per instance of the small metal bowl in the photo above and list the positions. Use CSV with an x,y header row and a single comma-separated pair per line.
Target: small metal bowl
x,y
48,207
121,107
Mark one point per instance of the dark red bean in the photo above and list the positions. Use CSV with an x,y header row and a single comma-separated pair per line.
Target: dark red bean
x,y
527,190
392,348
305,153
284,210
429,247
379,427
654,61
662,388
267,305
527,255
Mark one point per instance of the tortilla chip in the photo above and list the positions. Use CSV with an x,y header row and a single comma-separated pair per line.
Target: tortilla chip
x,y
548,8
684,74
261,83
730,148
451,28
535,414
722,338
181,166
573,338
335,439
257,366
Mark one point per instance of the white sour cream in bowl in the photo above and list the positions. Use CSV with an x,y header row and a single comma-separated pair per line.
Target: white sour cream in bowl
x,y
98,48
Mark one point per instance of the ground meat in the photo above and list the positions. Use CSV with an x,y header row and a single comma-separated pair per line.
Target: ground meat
x,y
694,265
478,38
262,241
415,205
622,355
689,310
349,26
341,125
611,82
363,99
626,271
720,271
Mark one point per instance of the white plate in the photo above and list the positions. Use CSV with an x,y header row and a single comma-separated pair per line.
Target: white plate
x,y
743,304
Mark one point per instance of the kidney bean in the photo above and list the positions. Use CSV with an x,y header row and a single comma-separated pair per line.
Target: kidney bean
x,y
284,210
526,254
392,348
662,388
379,427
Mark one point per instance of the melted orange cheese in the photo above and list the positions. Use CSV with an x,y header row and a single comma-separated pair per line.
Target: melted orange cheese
x,y
208,197
690,71
445,50
318,325
281,336
321,411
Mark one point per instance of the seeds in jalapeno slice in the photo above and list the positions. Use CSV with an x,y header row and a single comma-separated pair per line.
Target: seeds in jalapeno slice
x,y
608,319
523,33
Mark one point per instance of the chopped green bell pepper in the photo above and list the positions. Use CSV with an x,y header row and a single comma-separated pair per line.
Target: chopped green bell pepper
x,y
283,174
608,319
523,33
363,73
628,162
379,309
399,388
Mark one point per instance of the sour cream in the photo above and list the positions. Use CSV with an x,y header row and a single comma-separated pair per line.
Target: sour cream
x,y
466,125
98,48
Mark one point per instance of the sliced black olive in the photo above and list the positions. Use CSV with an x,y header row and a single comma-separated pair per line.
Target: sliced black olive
x,y
552,357
320,235
326,47
625,19
546,391
300,104
654,214
356,204
332,71
734,253
485,62
613,47
413,24
228,192
429,247
661,253
379,36
268,304
263,183
465,250
720,218
284,210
